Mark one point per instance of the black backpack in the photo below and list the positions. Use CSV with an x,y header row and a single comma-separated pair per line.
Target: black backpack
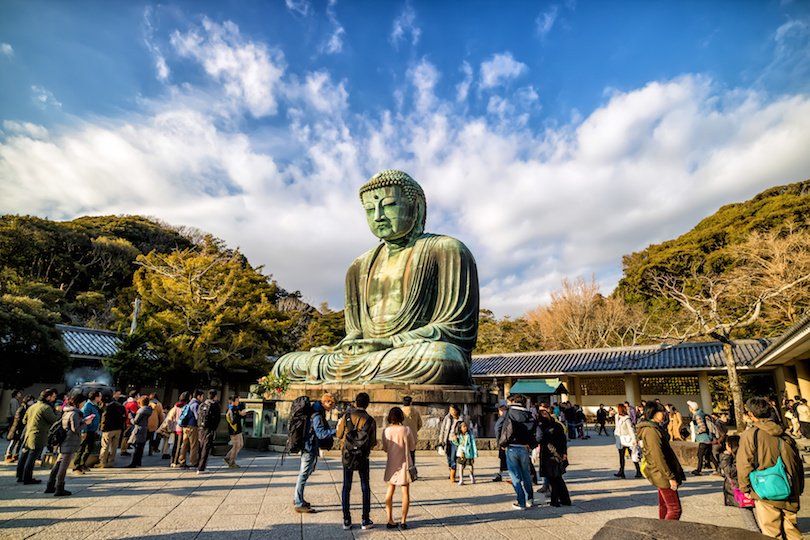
x,y
204,417
356,445
56,434
300,412
507,430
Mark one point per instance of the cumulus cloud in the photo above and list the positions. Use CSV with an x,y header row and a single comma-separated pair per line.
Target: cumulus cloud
x,y
28,129
249,71
6,49
334,44
501,68
44,98
404,26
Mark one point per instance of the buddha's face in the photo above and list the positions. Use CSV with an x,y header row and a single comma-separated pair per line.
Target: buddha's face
x,y
389,213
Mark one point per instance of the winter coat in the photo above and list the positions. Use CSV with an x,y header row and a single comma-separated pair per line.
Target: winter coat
x,y
524,426
140,425
156,418
38,420
448,428
412,419
701,429
113,417
16,429
675,425
172,419
662,464
466,446
767,452
87,409
624,429
73,422
553,446
359,419
319,434
728,468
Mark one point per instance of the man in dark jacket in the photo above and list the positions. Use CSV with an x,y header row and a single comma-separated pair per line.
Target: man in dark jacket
x,y
362,421
554,458
15,431
760,447
207,427
316,431
38,420
601,419
113,418
518,441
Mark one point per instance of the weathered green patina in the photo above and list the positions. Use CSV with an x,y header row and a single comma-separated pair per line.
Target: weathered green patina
x,y
411,301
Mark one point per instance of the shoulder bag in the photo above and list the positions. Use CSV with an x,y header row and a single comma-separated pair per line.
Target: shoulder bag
x,y
773,483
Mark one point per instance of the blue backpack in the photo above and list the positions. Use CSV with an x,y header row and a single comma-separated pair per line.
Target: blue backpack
x,y
185,415
773,483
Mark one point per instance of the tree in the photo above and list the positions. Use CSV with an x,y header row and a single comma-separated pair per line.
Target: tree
x,y
135,363
209,310
506,335
767,268
579,317
327,327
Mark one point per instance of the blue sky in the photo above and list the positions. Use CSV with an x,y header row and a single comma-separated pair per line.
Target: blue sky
x,y
551,137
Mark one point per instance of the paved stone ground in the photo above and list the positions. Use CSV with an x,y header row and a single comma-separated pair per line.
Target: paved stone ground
x,y
255,502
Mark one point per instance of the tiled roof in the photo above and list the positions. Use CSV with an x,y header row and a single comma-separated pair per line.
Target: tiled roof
x,y
801,327
624,359
81,341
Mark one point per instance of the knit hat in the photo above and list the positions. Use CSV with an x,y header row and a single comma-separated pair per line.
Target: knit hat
x,y
693,405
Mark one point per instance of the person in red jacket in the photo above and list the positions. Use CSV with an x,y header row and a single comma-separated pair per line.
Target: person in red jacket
x,y
131,407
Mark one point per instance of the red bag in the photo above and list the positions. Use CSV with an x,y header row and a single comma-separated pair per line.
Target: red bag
x,y
742,500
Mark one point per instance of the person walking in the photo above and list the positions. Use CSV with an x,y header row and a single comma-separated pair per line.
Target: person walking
x,y
317,434
358,431
72,422
703,437
761,446
17,430
140,431
37,420
554,459
601,419
155,421
209,415
447,431
397,440
234,419
517,429
466,453
413,420
625,436
191,437
663,470
174,422
113,420
675,423
89,411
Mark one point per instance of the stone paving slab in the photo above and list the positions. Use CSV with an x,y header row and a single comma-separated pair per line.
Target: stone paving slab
x,y
255,502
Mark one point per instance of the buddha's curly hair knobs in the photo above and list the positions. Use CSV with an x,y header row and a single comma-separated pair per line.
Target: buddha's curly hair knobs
x,y
393,177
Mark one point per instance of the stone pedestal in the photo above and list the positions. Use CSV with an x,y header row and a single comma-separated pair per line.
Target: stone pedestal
x,y
431,401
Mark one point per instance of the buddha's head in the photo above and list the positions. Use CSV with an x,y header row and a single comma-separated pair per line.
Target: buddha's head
x,y
395,205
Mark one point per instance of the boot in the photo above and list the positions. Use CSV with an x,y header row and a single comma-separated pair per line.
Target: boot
x,y
50,488
452,475
61,491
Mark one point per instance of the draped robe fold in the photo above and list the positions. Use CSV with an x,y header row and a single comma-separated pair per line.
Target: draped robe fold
x,y
433,332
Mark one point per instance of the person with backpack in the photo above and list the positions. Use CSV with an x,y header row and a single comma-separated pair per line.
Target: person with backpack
x,y
113,419
703,427
397,440
233,417
358,431
517,430
173,420
659,464
89,431
67,436
309,432
37,420
140,431
766,447
191,437
209,413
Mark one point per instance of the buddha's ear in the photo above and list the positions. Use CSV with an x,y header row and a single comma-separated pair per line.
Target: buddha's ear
x,y
421,215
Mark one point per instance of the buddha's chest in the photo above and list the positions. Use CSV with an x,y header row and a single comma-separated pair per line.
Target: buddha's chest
x,y
386,285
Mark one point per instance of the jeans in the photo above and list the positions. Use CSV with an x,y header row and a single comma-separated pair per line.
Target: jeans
x,y
25,467
87,447
308,462
450,449
669,504
517,462
365,488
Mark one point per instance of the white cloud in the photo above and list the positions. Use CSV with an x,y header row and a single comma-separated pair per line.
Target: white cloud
x,y
301,7
463,88
27,129
545,21
249,71
44,98
424,77
6,49
500,69
161,67
404,25
334,44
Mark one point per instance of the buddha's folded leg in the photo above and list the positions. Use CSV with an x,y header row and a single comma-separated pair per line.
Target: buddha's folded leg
x,y
431,362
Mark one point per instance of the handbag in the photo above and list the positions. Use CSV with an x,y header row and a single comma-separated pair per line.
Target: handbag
x,y
742,500
773,483
413,473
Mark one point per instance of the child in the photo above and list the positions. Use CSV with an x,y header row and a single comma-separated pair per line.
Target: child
x,y
728,468
466,453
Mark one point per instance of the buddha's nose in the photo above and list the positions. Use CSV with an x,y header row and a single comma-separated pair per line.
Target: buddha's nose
x,y
378,213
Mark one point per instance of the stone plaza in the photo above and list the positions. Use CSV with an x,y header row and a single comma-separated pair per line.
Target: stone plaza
x,y
255,502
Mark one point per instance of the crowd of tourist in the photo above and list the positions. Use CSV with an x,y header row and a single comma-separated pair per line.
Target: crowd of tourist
x,y
68,429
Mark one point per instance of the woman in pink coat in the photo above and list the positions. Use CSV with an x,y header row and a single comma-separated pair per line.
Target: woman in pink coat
x,y
397,442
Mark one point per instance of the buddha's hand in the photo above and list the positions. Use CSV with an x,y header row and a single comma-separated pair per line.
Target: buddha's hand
x,y
356,347
324,349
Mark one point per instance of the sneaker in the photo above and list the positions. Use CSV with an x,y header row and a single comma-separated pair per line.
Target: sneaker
x,y
529,503
497,478
304,510
472,479
697,473
203,472
347,524
460,482
367,525
516,506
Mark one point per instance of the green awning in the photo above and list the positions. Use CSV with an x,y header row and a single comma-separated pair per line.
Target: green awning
x,y
538,386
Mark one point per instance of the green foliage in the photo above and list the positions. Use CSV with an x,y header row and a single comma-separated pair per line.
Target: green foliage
x,y
325,329
506,335
135,364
